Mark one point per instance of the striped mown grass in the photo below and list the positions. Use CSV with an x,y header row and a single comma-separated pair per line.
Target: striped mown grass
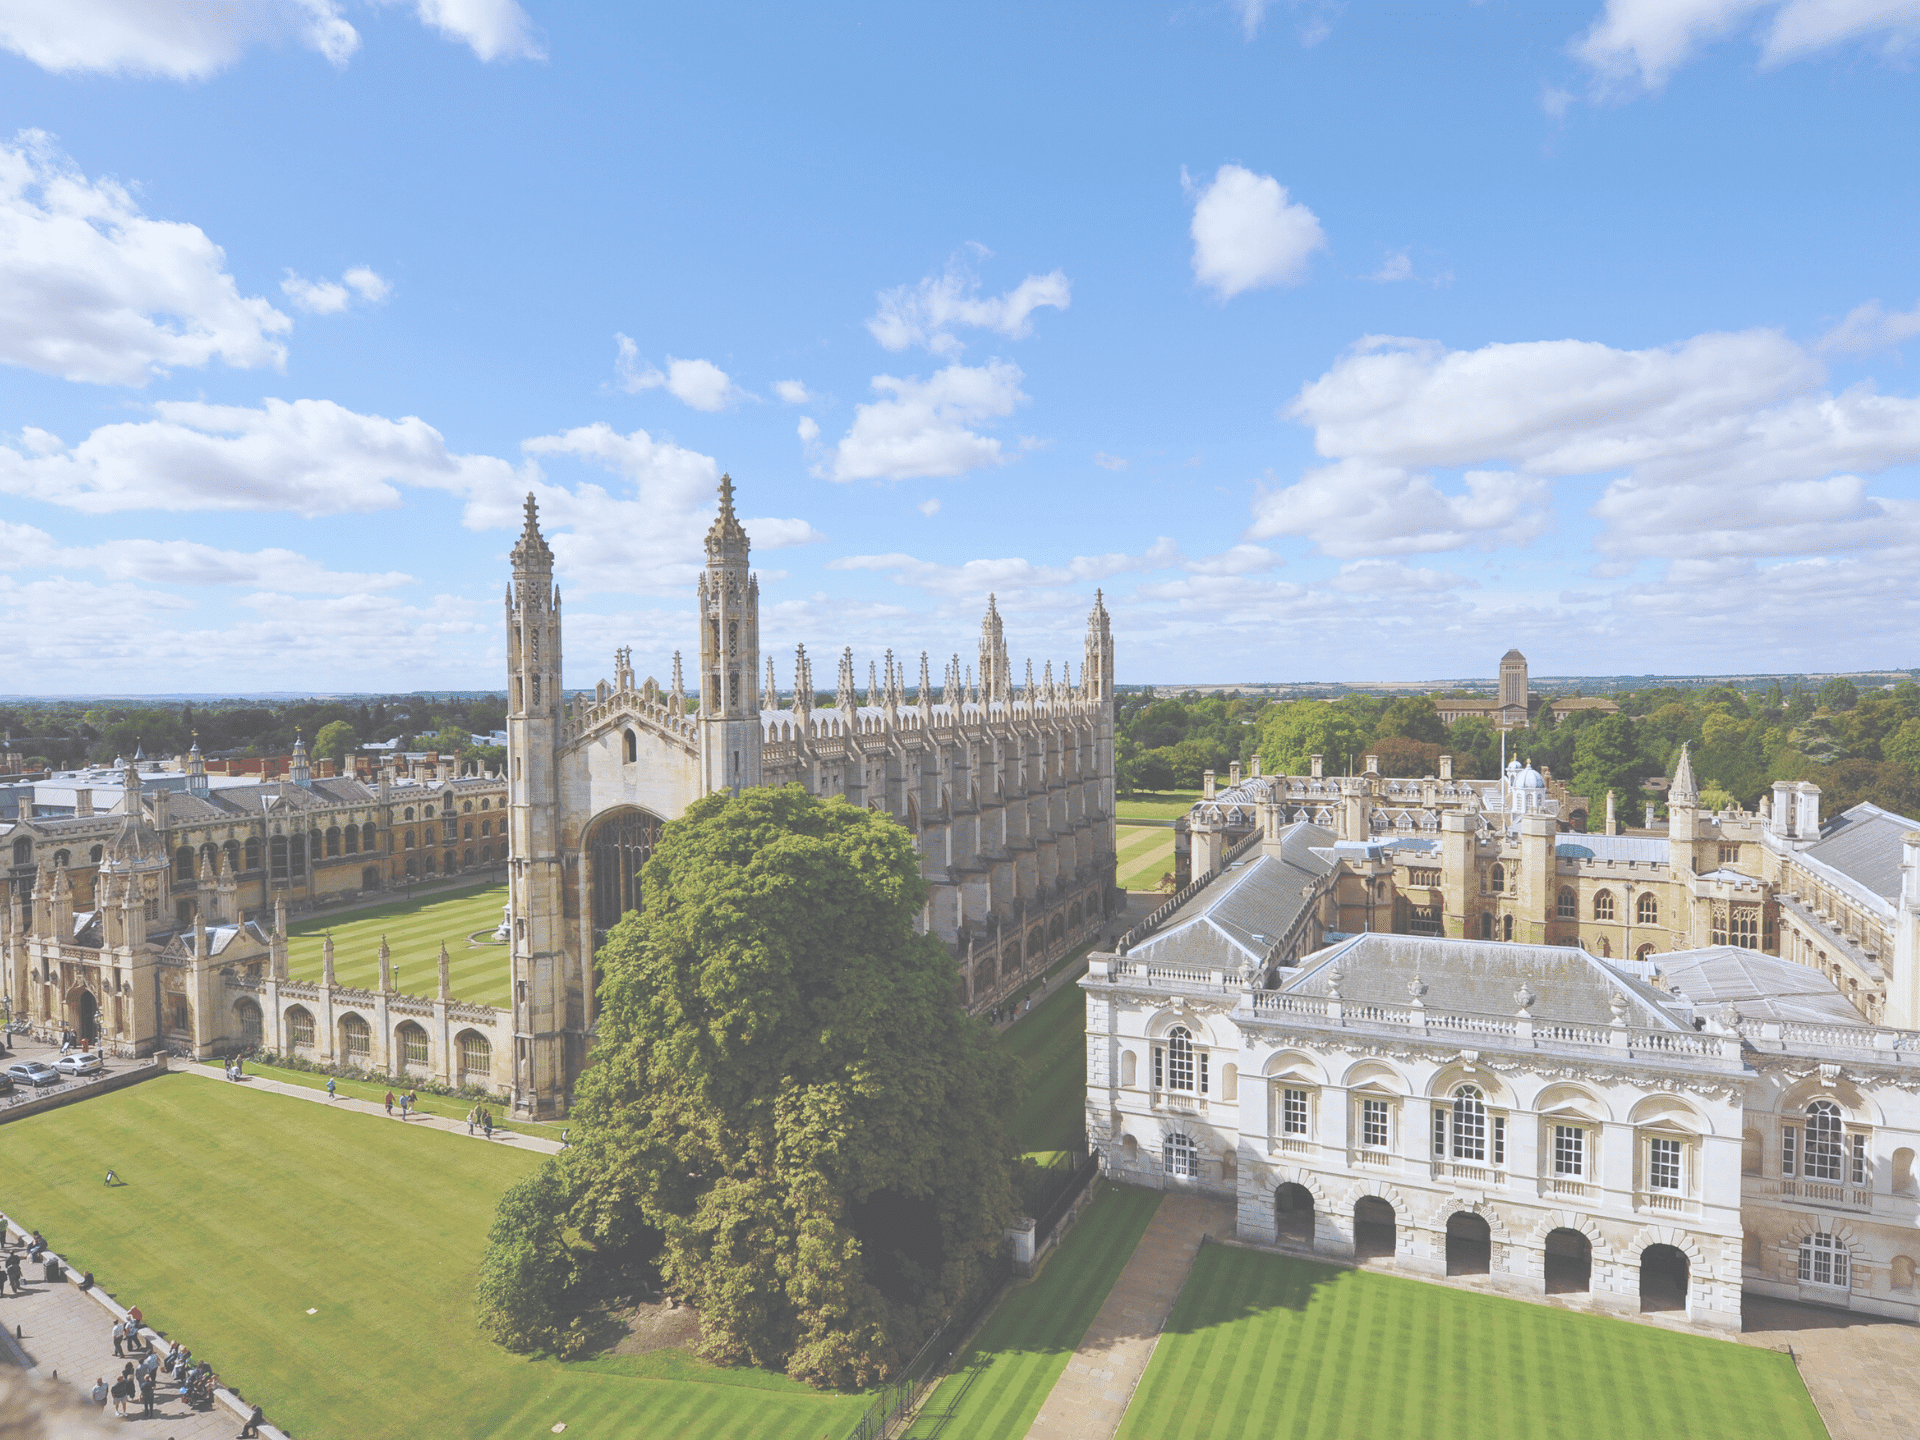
x,y
999,1384
1156,805
1268,1345
1145,854
414,931
239,1211
1051,1042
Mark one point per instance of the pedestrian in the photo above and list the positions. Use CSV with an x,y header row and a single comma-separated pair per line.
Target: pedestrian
x,y
100,1392
330,1088
147,1387
470,1117
413,1100
254,1421
13,1272
122,1391
389,1104
486,1122
119,1338
563,1138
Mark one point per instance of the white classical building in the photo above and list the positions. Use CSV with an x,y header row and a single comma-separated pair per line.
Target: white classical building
x,y
1660,1135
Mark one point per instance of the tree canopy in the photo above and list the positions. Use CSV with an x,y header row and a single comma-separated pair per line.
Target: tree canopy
x,y
788,1113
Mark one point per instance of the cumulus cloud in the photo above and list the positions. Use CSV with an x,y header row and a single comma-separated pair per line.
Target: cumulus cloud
x,y
924,428
928,313
330,297
174,42
186,562
698,384
1641,43
1109,462
929,507
1724,442
793,392
492,29
1013,575
1868,328
808,429
92,289
1247,234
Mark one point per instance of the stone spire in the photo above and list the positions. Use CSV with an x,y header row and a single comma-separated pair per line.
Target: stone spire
x,y
531,553
873,688
924,699
1027,693
770,693
802,683
446,973
1096,675
996,676
386,965
677,701
1684,790
845,698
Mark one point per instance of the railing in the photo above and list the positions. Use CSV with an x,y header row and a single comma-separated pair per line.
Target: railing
x,y
1370,1157
1177,1100
1048,1221
1474,1174
1570,1189
1666,1201
1852,1196
1289,1004
1478,1024
1293,1145
899,1395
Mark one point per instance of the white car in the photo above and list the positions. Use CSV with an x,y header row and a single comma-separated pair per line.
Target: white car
x,y
83,1062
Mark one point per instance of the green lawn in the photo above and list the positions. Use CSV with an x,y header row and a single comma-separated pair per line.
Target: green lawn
x,y
449,1107
1266,1345
1051,1041
1145,853
414,932
1005,1376
242,1209
1155,805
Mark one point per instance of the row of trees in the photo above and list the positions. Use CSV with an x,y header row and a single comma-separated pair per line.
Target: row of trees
x,y
1855,746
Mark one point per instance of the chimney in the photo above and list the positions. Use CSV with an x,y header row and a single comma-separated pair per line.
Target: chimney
x,y
83,801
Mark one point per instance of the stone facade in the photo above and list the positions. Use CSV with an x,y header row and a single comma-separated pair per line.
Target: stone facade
x,y
1667,1136
1008,791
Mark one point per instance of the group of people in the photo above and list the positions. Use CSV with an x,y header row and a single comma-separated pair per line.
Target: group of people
x,y
408,1103
233,1067
32,1247
193,1381
482,1118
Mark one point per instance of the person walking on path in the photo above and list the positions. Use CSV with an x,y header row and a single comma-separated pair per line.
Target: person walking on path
x,y
403,1108
147,1388
389,1104
13,1272
330,1089
470,1118
119,1339
486,1121
413,1100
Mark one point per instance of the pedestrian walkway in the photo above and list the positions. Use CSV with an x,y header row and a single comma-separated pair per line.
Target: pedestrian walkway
x,y
67,1335
368,1107
1863,1371
1091,1395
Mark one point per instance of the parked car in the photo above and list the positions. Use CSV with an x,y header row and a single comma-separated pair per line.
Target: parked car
x,y
6,1083
33,1072
83,1062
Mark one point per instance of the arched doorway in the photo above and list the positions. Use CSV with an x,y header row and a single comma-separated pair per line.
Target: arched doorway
x,y
1293,1215
1663,1278
1375,1235
617,846
86,1016
1569,1262
1469,1244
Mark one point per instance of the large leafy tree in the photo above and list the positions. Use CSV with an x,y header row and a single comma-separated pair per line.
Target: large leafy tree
x,y
1291,734
787,1111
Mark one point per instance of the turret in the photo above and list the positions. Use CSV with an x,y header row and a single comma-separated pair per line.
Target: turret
x,y
196,770
996,675
298,770
729,599
1096,678
1683,809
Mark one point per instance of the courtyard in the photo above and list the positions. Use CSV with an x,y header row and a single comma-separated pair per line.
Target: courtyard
x,y
415,930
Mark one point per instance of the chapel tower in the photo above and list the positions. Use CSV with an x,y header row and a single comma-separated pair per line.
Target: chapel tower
x,y
1096,675
729,656
542,974
996,673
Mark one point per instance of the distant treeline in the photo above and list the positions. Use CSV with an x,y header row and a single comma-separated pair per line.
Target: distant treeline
x,y
1855,745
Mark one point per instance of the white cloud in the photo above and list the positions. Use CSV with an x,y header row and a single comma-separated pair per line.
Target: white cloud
x,y
311,457
1251,13
1397,266
793,392
174,41
330,297
923,429
1247,234
1643,42
492,29
699,384
808,429
1720,444
1376,577
1013,575
927,313
186,562
91,289
1109,462
929,507
1868,328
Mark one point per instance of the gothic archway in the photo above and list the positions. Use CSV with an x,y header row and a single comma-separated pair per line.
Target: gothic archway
x,y
86,1016
617,846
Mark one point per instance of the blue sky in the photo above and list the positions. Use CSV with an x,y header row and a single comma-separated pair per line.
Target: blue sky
x,y
1332,341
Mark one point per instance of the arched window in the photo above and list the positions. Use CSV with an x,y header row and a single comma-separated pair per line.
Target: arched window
x,y
1469,1133
466,857
483,804
409,840
253,852
430,835
95,853
277,853
1646,910
469,830
409,814
333,841
60,858
352,836
356,1040
1644,953
1498,879
1568,905
1825,1142
230,852
486,827
1506,927
428,812
1176,1065
1823,1261
467,809
369,838
486,854
300,1028
411,1041
183,865
23,851
1181,1155
633,747
476,1058
1603,905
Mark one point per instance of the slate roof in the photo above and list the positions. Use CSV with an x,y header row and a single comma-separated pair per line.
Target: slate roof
x,y
1762,987
1480,977
1638,848
1259,896
1864,845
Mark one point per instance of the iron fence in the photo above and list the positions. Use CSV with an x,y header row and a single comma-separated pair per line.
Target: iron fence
x,y
899,1396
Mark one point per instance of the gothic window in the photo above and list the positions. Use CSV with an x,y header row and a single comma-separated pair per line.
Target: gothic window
x,y
1498,880
183,865
1746,930
1603,905
467,856
409,814
369,838
1823,1260
277,854
633,746
333,841
300,1028
486,827
476,1054
1181,1155
1646,910
1823,1152
430,835
484,804
297,854
1644,953
95,853
23,851
231,852
619,845
413,1044
467,808
1567,907
1569,1151
469,830
352,836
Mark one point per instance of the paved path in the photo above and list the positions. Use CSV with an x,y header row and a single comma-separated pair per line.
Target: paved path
x,y
1863,1372
368,1107
1092,1393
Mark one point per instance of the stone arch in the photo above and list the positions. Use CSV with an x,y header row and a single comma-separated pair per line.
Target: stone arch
x,y
356,1040
475,1054
1678,1239
1571,1220
297,1024
1294,1209
248,1023
411,1046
